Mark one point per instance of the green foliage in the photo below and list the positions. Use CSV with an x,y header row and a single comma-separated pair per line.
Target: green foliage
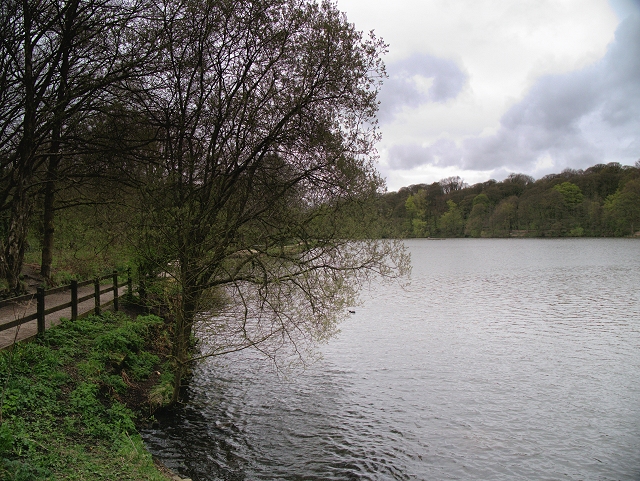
x,y
162,392
140,365
421,222
6,440
85,242
61,417
411,205
603,200
481,199
478,218
123,340
623,208
451,222
419,228
570,192
504,217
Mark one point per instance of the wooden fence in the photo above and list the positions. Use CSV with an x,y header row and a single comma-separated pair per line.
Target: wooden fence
x,y
41,294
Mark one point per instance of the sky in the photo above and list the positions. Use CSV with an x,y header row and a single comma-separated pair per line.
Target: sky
x,y
484,88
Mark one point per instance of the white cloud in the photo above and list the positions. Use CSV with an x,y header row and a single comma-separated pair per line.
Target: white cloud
x,y
572,120
418,80
502,48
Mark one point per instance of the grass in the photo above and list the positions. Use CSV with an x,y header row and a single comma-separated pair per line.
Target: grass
x,y
70,400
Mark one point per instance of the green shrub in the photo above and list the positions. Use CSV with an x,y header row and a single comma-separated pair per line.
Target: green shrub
x,y
61,414
83,400
161,394
140,365
122,340
6,440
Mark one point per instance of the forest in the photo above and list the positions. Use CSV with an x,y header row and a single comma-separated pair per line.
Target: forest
x,y
224,151
213,147
603,200
228,148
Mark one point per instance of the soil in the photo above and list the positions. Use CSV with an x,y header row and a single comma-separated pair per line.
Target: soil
x,y
31,278
137,396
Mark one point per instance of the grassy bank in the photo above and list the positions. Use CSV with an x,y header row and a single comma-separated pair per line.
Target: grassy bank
x,y
70,400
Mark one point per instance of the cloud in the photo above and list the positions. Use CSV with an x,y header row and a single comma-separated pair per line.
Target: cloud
x,y
624,8
417,80
569,120
409,156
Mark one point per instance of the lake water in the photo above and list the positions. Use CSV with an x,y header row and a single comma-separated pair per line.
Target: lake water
x,y
503,359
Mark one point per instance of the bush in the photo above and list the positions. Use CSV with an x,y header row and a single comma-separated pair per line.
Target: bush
x,y
62,415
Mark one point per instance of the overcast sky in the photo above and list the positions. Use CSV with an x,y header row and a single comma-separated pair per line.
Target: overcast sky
x,y
484,88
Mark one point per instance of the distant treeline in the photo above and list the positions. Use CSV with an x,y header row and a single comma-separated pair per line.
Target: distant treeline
x,y
603,200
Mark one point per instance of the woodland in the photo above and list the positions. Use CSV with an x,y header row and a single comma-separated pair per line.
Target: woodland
x,y
601,201
225,151
218,148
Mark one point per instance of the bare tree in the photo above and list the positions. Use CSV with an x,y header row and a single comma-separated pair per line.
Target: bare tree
x,y
451,184
266,117
60,59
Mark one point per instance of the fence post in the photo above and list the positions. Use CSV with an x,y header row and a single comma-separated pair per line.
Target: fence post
x,y
129,284
41,325
96,284
115,290
74,300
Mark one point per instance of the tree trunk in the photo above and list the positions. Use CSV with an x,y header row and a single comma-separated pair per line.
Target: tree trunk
x,y
21,205
185,315
56,135
16,241
49,212
181,351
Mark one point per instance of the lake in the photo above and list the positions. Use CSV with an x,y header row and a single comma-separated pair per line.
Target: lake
x,y
503,359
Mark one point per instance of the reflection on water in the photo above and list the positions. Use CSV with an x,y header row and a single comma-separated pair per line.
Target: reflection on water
x,y
504,359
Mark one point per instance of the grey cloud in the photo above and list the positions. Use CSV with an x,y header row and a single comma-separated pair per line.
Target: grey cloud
x,y
624,8
579,119
554,104
401,89
408,156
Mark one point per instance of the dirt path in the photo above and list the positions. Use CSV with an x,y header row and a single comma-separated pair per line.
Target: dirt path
x,y
15,311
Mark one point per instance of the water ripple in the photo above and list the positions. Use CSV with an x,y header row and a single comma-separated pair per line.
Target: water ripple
x,y
503,360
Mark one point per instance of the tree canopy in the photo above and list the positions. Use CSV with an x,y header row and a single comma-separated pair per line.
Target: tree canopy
x,y
264,122
599,201
232,144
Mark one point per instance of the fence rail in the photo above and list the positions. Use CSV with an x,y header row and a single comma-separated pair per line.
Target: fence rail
x,y
41,294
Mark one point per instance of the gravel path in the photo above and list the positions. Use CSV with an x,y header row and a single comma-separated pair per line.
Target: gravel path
x,y
29,329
